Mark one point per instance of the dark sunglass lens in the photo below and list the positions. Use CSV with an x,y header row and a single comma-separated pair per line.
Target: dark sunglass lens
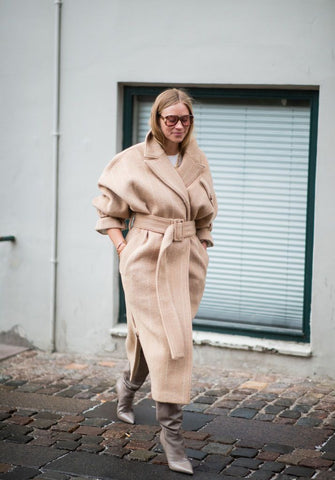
x,y
171,120
185,120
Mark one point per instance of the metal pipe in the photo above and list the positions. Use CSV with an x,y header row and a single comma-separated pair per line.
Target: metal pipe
x,y
8,238
56,136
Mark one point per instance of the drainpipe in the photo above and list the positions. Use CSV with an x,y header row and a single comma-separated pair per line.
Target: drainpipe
x,y
55,163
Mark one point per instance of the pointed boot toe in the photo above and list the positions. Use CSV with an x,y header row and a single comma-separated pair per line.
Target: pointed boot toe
x,y
127,417
181,466
174,451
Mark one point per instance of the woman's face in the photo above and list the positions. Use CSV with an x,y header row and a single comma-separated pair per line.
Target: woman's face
x,y
175,134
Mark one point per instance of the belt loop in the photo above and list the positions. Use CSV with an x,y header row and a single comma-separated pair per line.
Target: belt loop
x,y
178,230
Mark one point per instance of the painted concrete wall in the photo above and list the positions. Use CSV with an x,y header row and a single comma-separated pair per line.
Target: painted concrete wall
x,y
109,42
26,32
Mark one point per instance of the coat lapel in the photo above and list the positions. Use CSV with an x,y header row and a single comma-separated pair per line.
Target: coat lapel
x,y
158,162
191,166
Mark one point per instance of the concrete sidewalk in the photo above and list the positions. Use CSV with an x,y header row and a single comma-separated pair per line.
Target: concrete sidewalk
x,y
58,422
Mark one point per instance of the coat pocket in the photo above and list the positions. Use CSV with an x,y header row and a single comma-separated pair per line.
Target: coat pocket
x,y
203,252
122,256
125,252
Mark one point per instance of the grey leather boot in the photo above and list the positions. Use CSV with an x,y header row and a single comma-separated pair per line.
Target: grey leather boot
x,y
170,416
126,389
125,393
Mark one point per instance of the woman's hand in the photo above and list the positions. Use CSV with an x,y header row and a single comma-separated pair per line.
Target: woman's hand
x,y
120,247
204,244
115,234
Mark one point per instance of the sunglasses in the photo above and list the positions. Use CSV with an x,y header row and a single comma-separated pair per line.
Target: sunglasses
x,y
172,120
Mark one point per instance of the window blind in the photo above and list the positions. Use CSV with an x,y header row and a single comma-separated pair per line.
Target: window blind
x,y
259,156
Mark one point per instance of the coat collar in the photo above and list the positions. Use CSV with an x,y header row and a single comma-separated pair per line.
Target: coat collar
x,y
190,168
156,159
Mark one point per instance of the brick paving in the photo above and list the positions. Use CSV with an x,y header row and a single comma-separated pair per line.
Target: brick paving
x,y
58,422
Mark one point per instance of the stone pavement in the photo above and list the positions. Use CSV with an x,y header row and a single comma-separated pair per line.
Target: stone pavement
x,y
58,422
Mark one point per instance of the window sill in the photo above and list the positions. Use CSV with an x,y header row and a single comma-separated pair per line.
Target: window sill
x,y
253,344
236,342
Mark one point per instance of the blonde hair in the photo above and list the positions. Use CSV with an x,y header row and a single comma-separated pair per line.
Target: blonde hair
x,y
165,99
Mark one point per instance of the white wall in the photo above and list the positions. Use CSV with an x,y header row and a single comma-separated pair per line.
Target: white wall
x,y
26,32
107,42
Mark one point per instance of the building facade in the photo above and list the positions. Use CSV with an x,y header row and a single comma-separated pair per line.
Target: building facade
x,y
78,80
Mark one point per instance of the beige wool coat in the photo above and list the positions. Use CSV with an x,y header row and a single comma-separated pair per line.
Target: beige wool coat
x,y
163,266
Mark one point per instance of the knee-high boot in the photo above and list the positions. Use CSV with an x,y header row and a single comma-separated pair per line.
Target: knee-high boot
x,y
170,416
126,390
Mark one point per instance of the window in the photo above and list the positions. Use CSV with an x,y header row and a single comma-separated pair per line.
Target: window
x,y
261,146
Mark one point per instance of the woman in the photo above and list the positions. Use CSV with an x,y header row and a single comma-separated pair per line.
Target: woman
x,y
164,187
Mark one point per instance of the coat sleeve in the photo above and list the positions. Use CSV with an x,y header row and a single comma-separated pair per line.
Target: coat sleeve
x,y
112,209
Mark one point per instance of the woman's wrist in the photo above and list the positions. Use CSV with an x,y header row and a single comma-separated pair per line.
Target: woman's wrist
x,y
204,243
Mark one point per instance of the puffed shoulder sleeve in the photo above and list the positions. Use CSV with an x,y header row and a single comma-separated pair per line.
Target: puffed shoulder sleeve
x,y
112,209
204,223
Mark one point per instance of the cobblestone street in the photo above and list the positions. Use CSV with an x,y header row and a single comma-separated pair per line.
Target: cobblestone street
x,y
58,422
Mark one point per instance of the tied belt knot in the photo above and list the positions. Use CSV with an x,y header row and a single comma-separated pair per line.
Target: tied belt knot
x,y
176,316
180,228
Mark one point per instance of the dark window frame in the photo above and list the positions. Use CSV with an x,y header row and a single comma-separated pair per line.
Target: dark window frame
x,y
129,95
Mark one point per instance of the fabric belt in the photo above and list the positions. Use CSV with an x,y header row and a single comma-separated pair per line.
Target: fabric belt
x,y
176,316
181,228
